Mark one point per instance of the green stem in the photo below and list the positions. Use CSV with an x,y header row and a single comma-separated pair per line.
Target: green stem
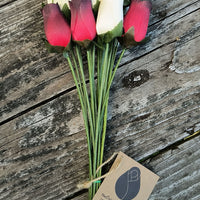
x,y
112,76
105,105
95,108
109,67
86,93
92,84
84,114
98,120
78,78
95,88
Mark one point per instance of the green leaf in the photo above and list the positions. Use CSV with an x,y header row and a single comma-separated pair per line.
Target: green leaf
x,y
55,49
65,54
110,35
66,11
127,40
43,5
127,2
96,7
84,43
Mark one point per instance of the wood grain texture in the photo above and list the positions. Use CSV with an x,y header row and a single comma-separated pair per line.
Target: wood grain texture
x,y
154,103
179,171
26,64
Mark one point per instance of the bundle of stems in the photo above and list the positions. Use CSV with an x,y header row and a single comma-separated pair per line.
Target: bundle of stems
x,y
102,66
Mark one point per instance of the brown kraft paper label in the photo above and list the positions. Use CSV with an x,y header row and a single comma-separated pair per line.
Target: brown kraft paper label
x,y
127,180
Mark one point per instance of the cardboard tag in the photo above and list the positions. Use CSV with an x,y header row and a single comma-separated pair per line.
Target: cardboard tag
x,y
128,180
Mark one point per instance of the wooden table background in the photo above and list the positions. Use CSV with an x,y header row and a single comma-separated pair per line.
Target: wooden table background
x,y
154,104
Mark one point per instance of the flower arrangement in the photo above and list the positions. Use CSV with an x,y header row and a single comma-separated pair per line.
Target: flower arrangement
x,y
94,28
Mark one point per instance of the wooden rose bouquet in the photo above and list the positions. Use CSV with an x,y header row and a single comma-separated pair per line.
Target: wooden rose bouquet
x,y
92,31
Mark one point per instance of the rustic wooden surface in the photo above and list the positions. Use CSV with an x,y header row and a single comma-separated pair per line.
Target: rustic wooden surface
x,y
154,104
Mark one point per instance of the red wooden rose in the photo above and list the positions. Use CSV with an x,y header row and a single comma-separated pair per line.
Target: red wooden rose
x,y
57,30
137,19
83,25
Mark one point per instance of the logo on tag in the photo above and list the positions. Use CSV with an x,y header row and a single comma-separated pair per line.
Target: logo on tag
x,y
128,184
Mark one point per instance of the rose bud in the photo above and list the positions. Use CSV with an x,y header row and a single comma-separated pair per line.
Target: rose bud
x,y
83,25
136,21
110,19
55,26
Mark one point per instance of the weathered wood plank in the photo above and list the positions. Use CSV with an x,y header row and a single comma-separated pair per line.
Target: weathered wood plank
x,y
81,197
162,104
179,171
5,2
42,146
49,141
165,8
154,102
29,75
